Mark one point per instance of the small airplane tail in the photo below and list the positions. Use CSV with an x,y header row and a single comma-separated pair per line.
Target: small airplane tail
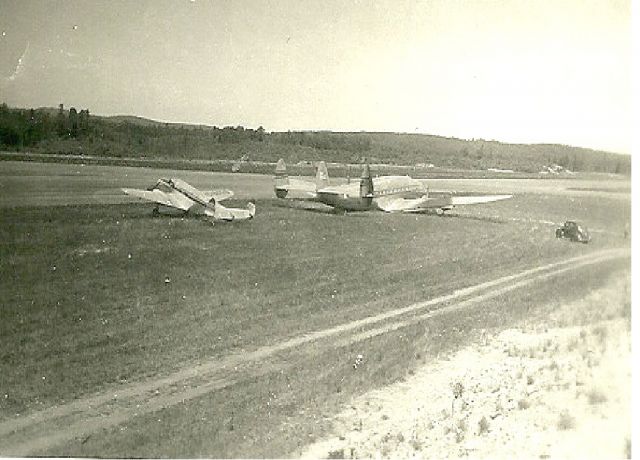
x,y
281,177
322,176
251,207
366,183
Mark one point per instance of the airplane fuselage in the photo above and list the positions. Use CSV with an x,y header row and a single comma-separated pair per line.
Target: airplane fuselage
x,y
386,193
348,197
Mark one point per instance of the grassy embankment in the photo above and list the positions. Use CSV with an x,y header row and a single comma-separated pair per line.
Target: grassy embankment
x,y
557,384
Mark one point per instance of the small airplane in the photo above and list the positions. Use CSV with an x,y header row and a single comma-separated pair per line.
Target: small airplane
x,y
171,195
386,193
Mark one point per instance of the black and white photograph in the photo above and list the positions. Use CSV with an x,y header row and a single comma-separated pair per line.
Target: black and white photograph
x,y
318,229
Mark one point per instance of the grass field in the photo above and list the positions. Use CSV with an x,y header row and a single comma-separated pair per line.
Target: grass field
x,y
97,295
277,414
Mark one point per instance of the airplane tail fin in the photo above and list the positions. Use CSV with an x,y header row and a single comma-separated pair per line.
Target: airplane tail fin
x,y
251,207
366,183
322,176
281,178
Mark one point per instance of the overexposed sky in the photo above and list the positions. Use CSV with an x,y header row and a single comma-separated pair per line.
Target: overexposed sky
x,y
530,71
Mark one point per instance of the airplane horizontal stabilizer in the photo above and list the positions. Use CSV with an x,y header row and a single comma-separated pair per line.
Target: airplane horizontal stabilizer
x,y
464,200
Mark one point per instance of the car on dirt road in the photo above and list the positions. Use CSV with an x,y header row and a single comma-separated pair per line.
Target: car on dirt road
x,y
573,231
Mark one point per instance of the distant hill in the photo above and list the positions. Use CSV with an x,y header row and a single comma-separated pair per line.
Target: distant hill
x,y
49,130
132,119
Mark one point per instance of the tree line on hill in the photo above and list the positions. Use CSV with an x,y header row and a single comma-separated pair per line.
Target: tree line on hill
x,y
70,131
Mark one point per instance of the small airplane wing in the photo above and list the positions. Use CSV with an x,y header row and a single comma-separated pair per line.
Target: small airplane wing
x,y
175,200
220,213
464,200
218,195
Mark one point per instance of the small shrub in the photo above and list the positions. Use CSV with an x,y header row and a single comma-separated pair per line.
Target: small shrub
x,y
600,332
336,454
385,417
595,396
483,425
523,404
400,437
529,380
458,389
566,421
461,430
417,445
627,448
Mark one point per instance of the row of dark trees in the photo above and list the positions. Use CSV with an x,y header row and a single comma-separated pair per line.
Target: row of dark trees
x,y
21,128
323,140
62,131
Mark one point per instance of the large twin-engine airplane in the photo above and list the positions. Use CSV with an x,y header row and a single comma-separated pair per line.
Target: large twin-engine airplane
x,y
171,195
386,193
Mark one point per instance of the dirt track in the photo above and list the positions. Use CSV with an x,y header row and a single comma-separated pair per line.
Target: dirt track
x,y
35,433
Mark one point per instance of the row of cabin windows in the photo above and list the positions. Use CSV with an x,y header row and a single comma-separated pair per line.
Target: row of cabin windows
x,y
397,190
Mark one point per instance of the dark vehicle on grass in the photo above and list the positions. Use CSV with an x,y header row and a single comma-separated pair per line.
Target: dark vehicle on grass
x,y
573,231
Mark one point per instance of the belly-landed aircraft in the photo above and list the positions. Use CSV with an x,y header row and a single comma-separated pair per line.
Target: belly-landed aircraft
x,y
386,193
173,196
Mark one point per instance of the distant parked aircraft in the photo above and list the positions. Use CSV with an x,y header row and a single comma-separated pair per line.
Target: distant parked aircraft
x,y
175,194
386,193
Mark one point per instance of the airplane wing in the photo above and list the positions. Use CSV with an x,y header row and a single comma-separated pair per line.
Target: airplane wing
x,y
172,199
301,188
416,205
464,200
218,195
425,203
